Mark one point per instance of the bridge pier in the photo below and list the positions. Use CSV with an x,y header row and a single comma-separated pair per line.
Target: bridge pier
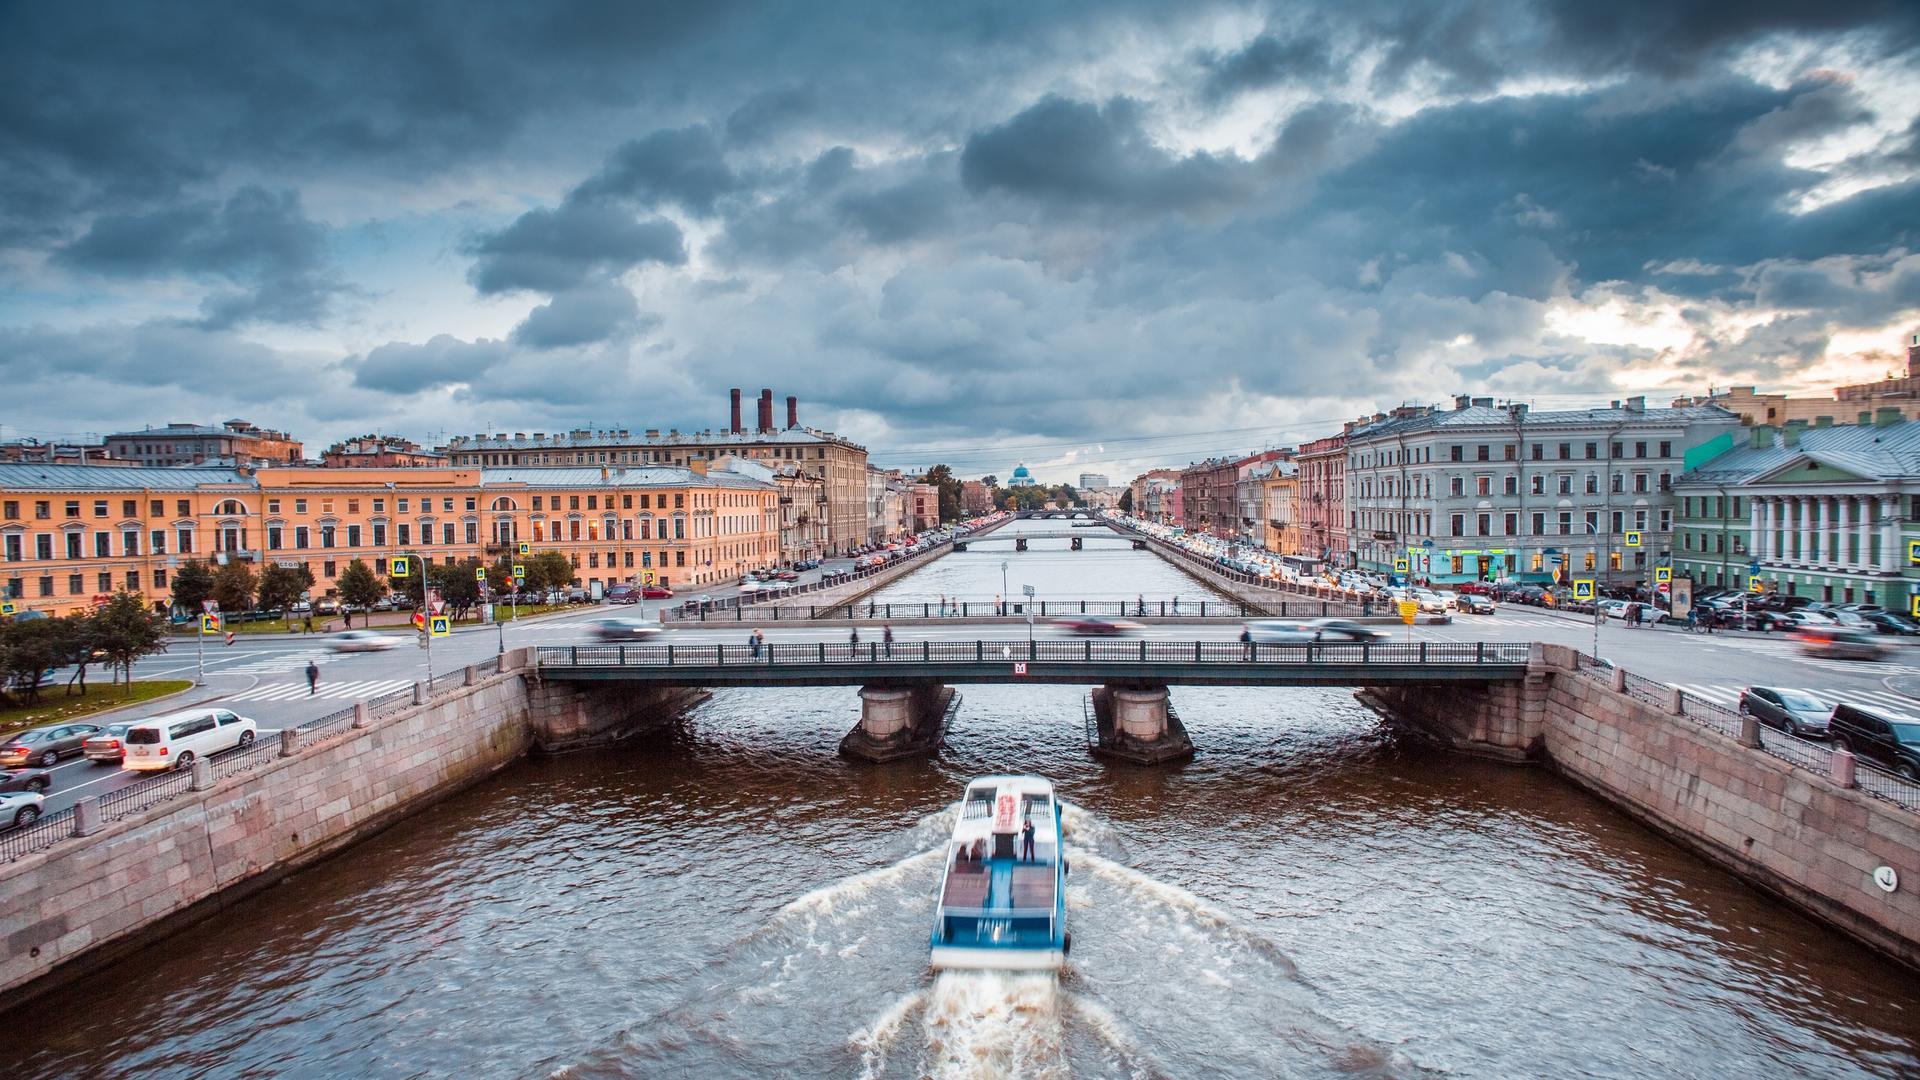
x,y
900,722
1501,721
574,716
1137,724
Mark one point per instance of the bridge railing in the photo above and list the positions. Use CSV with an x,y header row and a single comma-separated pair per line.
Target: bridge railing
x,y
1085,651
905,611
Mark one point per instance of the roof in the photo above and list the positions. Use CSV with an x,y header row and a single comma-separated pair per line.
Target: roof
x,y
593,476
1873,453
601,440
22,476
1493,416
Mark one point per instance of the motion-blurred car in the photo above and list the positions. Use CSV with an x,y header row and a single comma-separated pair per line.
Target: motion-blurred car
x,y
1792,711
656,592
109,744
361,641
45,746
18,808
1837,643
25,780
625,630
1095,626
1345,630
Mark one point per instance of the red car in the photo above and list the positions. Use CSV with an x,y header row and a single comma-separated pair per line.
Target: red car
x,y
656,592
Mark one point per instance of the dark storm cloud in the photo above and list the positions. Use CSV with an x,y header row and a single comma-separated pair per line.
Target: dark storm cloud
x,y
770,113
579,317
683,166
1268,60
554,250
258,240
1666,38
403,367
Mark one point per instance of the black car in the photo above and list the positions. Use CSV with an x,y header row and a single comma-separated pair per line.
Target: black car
x,y
25,780
1886,622
1789,710
1889,742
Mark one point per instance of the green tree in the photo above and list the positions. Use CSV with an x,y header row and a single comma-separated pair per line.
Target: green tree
x,y
549,570
234,586
124,631
78,639
192,583
942,477
457,585
282,586
28,648
359,587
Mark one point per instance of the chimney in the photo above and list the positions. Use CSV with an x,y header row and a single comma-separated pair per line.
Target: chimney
x,y
1760,437
735,394
1913,356
766,411
1887,417
1790,434
793,412
1637,404
1461,401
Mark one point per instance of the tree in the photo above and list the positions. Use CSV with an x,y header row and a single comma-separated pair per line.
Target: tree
x,y
78,638
233,586
358,586
991,481
942,477
28,648
192,583
282,586
457,585
1126,501
549,570
124,632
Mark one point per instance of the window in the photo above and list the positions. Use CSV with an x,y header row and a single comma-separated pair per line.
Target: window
x,y
73,545
1459,524
326,536
99,508
299,506
46,585
1457,485
273,538
130,542
1666,519
1615,450
1566,485
1593,452
300,536
470,503
1593,484
1639,449
446,506
1640,520
75,586
1539,484
73,508
1666,481
1590,562
1666,449
539,503
473,532
379,506
426,534
13,547
1539,527
403,531
353,506
273,506
183,540
326,568
42,509
626,503
1486,523
593,502
446,532
353,536
1640,482
1619,521
159,539
679,501
1593,522
400,505
1483,485
1613,560
379,534
183,508
104,581
155,508
159,579
102,545
573,502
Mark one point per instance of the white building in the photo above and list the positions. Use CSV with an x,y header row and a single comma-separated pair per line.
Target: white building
x,y
1091,480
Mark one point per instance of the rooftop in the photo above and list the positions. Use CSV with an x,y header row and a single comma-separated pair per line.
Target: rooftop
x,y
1483,414
1890,452
602,439
40,477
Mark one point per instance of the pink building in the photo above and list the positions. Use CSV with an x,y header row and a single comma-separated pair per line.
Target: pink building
x,y
1323,498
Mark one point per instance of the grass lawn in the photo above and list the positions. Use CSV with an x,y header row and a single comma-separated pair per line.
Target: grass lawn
x,y
503,613
56,705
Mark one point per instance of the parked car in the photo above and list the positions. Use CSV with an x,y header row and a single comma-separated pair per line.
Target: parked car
x,y
109,743
326,605
1887,622
173,741
1838,643
402,602
1792,711
788,575
25,780
625,629
385,603
361,641
623,594
20,808
1476,603
1096,626
45,746
656,592
1885,741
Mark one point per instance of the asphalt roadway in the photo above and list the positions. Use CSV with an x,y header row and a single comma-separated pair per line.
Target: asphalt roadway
x,y
264,678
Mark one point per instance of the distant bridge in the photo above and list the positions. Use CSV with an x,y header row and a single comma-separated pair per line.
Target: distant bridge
x,y
1076,535
1126,662
1070,513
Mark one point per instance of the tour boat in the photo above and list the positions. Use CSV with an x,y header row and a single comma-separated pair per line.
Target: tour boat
x,y
999,909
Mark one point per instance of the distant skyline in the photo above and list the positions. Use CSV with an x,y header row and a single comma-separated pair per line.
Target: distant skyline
x,y
1090,237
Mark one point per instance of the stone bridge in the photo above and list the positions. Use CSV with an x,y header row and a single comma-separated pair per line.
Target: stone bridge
x,y
1075,535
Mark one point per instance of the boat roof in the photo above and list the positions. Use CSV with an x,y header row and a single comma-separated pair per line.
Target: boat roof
x,y
1025,784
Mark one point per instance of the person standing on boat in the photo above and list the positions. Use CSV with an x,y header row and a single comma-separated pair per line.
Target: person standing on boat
x,y
1026,842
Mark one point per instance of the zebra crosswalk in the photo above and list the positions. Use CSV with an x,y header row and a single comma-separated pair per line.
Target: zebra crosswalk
x,y
278,662
294,691
1885,702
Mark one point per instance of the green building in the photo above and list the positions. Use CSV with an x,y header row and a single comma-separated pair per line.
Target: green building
x,y
1826,512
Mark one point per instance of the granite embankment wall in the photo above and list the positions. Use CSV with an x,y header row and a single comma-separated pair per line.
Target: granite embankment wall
x,y
1678,765
1247,589
80,904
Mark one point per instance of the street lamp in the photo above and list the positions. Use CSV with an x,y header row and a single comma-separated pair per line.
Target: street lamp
x,y
425,611
1003,580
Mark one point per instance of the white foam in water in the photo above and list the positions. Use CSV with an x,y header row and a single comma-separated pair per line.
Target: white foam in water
x,y
983,1025
876,1041
1187,904
827,899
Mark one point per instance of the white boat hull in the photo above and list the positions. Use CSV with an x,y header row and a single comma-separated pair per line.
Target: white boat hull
x,y
955,958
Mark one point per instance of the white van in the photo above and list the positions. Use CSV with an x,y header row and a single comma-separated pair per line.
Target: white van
x,y
173,741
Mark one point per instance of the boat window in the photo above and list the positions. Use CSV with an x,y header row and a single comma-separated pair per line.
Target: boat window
x,y
1034,806
979,804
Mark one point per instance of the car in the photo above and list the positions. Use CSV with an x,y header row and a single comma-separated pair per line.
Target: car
x,y
1281,632
1887,622
625,629
361,641
749,585
788,575
1476,604
402,602
656,592
25,780
175,740
326,605
45,746
1449,597
1890,742
1096,626
1838,643
623,594
385,603
109,743
300,608
20,808
1792,711
1345,630
1431,603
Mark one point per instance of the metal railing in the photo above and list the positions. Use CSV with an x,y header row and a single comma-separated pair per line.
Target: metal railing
x,y
136,798
696,610
39,836
934,611
1086,650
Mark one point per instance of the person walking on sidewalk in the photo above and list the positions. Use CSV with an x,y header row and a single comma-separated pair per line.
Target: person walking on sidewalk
x,y
886,637
313,677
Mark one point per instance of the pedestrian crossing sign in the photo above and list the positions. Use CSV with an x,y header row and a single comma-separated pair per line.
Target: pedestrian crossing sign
x,y
519,572
480,573
6,607
1583,589
1913,551
440,625
397,567
1399,566
209,624
1662,574
1633,539
1915,601
526,548
646,577
1755,585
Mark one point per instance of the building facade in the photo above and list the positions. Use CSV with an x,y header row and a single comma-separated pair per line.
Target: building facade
x,y
1857,404
976,498
1090,480
1139,487
381,452
71,535
235,442
1281,500
1485,492
1826,512
1322,528
1162,501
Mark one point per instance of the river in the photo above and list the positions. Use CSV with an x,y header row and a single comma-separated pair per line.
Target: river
x,y
1312,896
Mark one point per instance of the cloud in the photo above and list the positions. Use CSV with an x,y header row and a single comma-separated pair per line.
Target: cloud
x,y
1267,60
404,368
258,240
684,167
555,250
579,317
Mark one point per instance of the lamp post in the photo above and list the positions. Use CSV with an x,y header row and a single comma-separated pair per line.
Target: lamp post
x,y
1003,580
425,612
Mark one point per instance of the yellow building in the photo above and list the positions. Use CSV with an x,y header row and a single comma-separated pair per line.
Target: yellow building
x,y
1281,496
71,535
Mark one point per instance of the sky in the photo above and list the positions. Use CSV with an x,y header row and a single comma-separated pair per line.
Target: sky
x,y
1087,236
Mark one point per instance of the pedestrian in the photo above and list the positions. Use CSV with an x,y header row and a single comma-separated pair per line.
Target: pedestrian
x,y
309,622
1026,842
346,613
886,638
853,638
313,677
1176,605
1246,641
943,605
753,644
999,608
1366,606
1143,605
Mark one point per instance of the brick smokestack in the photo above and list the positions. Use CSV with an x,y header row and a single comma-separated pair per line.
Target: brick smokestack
x,y
735,392
766,410
793,412
1913,356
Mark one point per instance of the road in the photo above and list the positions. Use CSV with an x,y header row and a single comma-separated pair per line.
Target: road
x,y
264,678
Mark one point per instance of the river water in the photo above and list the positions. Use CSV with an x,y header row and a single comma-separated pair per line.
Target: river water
x,y
1312,896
